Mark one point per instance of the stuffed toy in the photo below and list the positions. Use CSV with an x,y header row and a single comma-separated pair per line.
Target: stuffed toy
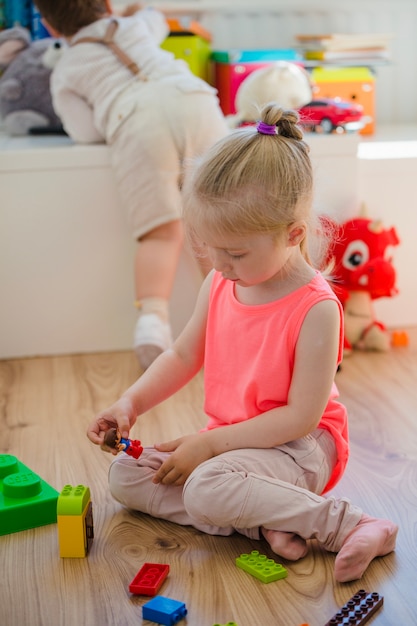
x,y
362,272
25,97
283,82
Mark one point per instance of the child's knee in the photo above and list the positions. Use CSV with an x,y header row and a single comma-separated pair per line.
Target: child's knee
x,y
124,474
203,501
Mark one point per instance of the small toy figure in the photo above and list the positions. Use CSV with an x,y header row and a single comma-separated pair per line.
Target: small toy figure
x,y
132,447
363,271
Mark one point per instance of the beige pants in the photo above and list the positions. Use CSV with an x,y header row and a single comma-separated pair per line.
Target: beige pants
x,y
242,490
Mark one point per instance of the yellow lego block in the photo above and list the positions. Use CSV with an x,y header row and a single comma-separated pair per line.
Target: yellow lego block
x,y
75,521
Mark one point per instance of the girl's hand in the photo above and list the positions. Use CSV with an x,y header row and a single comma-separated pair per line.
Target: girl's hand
x,y
120,415
187,453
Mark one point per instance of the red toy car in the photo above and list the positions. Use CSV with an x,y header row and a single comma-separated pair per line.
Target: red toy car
x,y
327,115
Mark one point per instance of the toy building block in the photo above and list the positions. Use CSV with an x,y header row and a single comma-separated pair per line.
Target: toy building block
x,y
26,501
75,521
164,611
149,579
258,565
399,339
358,610
228,624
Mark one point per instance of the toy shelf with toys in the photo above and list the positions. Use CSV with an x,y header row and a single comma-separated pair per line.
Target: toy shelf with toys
x,y
65,250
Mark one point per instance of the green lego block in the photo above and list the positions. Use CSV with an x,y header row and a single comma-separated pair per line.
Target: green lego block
x,y
26,501
258,565
73,500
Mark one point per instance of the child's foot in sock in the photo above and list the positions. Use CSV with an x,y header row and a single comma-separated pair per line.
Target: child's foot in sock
x,y
370,538
288,545
152,337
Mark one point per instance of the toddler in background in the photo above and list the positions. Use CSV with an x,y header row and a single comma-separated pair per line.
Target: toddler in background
x,y
268,332
115,84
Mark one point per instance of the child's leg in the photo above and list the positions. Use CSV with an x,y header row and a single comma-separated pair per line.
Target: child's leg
x,y
288,545
241,489
130,482
156,263
370,538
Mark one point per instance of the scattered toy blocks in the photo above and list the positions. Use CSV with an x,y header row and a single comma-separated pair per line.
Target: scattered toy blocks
x,y
228,624
358,610
164,611
75,521
149,579
260,566
26,501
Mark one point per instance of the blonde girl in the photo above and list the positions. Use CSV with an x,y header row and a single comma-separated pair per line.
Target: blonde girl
x,y
268,331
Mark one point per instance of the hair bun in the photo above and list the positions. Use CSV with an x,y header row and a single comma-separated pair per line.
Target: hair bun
x,y
286,121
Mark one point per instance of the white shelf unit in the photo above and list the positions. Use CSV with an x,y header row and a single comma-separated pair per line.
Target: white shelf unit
x,y
66,255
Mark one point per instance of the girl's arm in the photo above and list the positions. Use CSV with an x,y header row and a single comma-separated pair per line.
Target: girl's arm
x,y
167,374
314,370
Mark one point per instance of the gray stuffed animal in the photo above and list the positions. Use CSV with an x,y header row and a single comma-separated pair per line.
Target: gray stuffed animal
x,y
25,97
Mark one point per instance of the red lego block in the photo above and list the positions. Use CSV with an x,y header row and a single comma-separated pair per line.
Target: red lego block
x,y
358,610
149,579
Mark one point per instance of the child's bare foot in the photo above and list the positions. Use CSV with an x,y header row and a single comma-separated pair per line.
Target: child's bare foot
x,y
288,545
370,538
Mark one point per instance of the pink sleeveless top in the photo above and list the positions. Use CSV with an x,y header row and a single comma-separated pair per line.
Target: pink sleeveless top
x,y
249,358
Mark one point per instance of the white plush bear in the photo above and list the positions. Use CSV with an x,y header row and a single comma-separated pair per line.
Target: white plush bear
x,y
283,82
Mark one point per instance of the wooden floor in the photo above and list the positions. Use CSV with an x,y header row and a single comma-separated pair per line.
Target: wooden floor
x,y
45,404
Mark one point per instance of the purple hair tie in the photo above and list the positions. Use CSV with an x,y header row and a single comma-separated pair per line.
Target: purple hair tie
x,y
266,129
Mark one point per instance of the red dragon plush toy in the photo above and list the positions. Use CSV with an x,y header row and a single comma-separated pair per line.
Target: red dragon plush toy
x,y
362,272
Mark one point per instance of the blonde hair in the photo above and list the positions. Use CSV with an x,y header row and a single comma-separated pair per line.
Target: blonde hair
x,y
251,182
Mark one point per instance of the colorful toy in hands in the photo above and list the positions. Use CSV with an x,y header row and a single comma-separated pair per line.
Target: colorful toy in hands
x,y
362,272
25,97
113,440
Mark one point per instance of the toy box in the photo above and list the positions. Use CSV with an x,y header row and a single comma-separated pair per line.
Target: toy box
x,y
231,67
190,42
353,84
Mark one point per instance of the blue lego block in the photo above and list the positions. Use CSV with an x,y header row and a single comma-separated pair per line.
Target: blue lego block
x,y
258,565
164,611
